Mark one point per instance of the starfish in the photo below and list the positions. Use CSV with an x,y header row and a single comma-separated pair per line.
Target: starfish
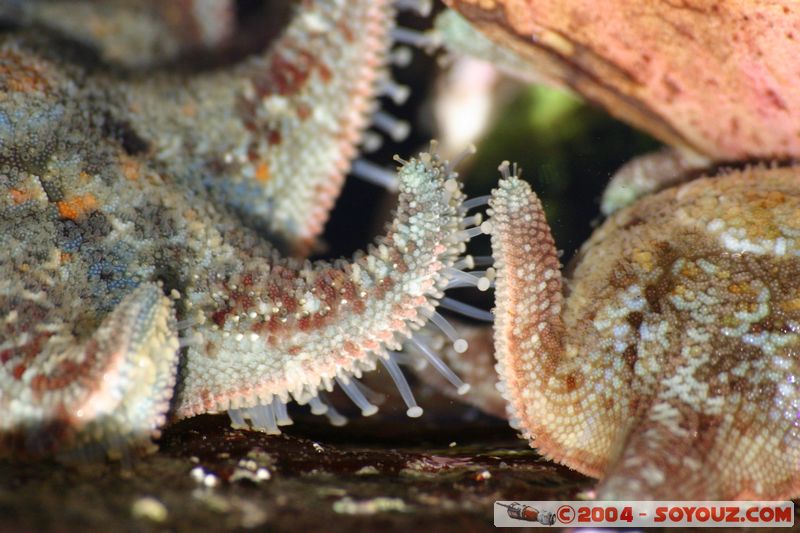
x,y
142,219
667,364
657,400
137,34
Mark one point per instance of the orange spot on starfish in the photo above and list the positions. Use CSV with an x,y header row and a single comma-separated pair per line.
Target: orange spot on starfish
x,y
77,207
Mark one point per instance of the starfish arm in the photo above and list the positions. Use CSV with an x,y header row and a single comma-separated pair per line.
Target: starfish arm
x,y
273,138
540,373
649,174
59,392
85,354
136,35
692,293
87,218
278,328
743,453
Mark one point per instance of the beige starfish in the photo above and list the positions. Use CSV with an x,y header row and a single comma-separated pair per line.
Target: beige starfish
x,y
667,363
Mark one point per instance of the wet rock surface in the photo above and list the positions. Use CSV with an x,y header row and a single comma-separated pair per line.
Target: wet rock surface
x,y
443,471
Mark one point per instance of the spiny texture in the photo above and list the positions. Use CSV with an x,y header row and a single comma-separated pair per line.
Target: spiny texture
x,y
672,370
115,386
715,78
135,207
290,329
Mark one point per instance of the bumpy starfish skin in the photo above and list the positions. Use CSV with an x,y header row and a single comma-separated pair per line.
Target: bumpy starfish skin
x,y
291,329
670,365
134,33
278,131
115,193
114,387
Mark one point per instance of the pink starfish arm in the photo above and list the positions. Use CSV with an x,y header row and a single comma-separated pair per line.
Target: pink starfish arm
x,y
59,391
671,371
275,136
543,382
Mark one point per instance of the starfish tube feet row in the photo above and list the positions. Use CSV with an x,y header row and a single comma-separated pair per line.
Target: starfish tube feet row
x,y
670,369
286,329
476,366
112,389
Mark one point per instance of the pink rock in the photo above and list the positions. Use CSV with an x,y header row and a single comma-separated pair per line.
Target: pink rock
x,y
716,78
